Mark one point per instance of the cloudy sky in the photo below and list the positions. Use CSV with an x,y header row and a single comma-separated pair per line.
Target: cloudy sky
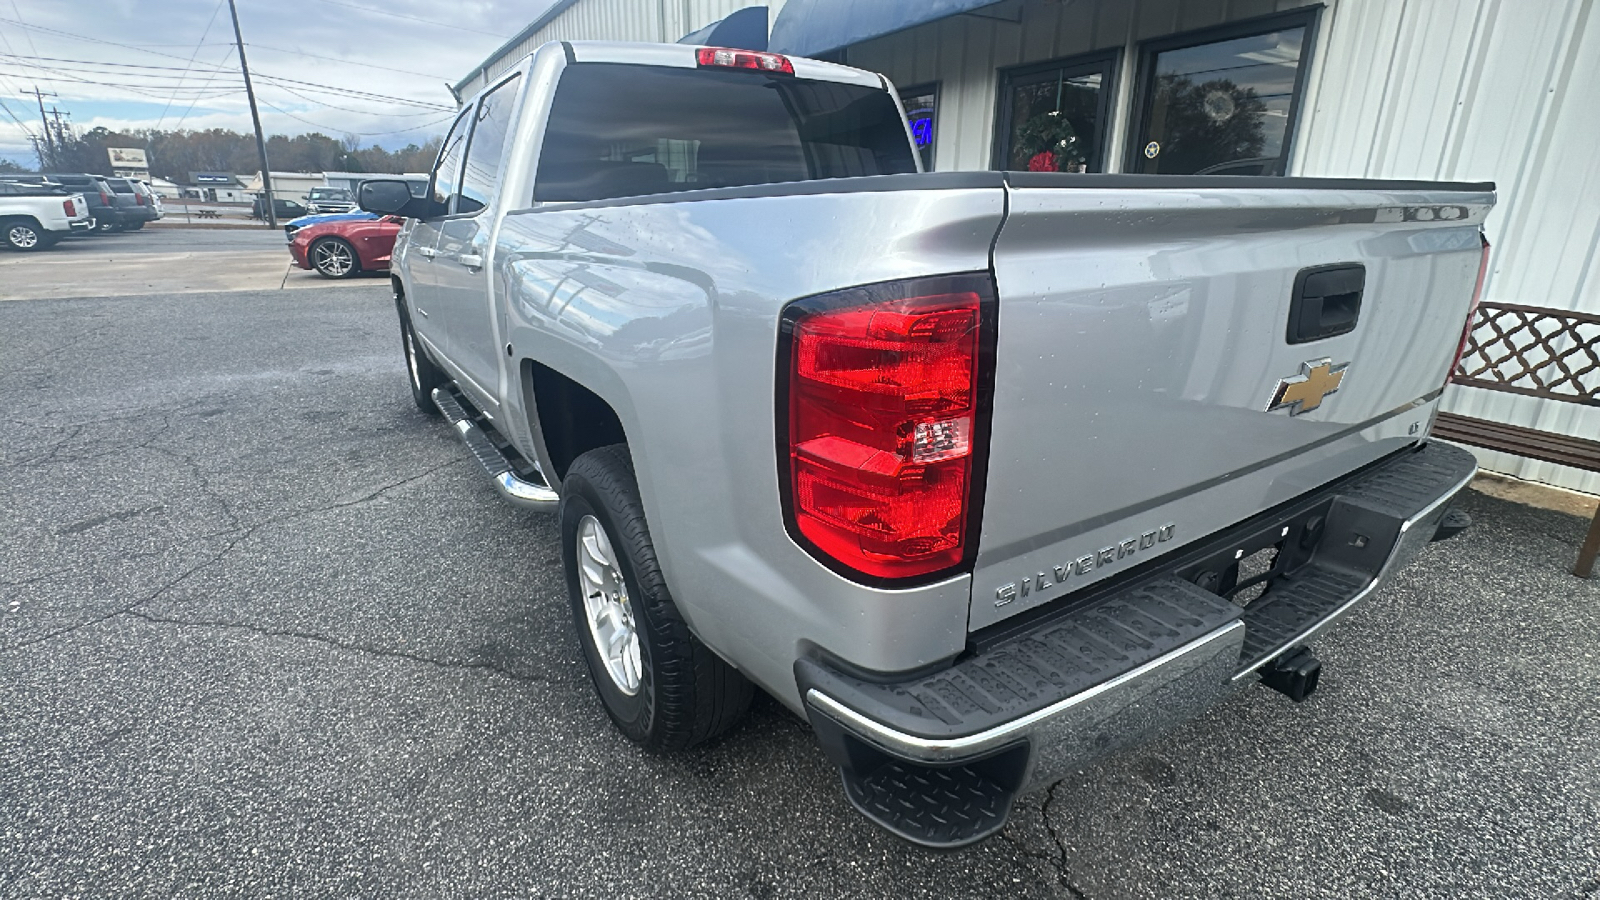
x,y
376,68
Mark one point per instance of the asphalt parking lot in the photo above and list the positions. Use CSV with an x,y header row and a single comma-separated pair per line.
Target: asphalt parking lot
x,y
265,631
160,258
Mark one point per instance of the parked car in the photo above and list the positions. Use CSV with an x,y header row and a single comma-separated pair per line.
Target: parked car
x,y
133,202
104,212
330,200
155,200
344,248
294,225
285,209
985,474
35,217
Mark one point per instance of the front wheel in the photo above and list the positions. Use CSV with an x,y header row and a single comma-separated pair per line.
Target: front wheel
x,y
334,258
421,372
660,685
25,236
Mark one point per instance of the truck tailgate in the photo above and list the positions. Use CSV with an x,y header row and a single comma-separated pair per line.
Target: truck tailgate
x,y
1143,336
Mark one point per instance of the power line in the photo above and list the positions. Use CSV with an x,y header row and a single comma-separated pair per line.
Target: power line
x,y
362,112
323,127
348,62
192,57
311,85
214,73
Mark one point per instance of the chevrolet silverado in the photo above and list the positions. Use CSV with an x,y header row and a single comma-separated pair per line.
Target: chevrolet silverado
x,y
984,474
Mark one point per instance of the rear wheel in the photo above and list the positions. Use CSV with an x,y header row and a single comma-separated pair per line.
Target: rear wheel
x,y
25,235
421,372
334,258
106,226
660,685
136,226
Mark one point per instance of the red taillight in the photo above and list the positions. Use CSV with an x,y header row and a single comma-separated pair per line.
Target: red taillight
x,y
745,59
66,207
139,199
105,199
883,396
1472,311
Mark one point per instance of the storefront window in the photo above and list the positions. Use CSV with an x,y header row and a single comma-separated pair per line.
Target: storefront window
x,y
920,103
1224,106
1052,116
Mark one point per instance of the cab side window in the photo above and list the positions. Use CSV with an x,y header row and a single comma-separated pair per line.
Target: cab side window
x,y
482,171
447,173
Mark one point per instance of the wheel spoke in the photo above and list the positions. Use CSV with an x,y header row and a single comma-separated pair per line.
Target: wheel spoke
x,y
608,615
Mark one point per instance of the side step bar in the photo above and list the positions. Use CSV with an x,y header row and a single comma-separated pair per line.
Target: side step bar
x,y
534,495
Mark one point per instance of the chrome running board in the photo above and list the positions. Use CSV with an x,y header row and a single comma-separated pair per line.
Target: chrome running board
x,y
535,495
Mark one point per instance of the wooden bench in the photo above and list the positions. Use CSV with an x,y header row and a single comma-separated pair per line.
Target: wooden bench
x,y
207,214
1535,352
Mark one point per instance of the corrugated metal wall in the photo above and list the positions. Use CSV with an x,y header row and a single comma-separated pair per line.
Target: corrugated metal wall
x,y
1500,90
1496,90
621,20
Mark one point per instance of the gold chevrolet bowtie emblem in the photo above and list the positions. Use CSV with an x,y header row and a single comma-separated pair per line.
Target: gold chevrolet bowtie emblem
x,y
1304,392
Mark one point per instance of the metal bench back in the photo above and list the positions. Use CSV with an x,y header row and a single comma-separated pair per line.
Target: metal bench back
x,y
1534,351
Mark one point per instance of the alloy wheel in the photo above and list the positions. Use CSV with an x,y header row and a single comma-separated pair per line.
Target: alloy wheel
x,y
333,259
22,237
606,607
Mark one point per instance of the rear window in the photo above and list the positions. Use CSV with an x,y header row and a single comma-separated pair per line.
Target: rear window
x,y
120,186
623,130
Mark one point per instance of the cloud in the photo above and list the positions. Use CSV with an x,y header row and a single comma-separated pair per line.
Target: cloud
x,y
134,76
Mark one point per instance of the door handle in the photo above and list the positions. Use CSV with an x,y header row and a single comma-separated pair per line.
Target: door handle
x,y
425,252
471,260
1326,302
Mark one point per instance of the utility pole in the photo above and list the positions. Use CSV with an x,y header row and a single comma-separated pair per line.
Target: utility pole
x,y
49,146
261,142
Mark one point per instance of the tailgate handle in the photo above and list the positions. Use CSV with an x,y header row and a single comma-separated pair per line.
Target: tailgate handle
x,y
1326,302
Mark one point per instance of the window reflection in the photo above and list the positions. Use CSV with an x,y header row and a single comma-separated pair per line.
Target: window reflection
x,y
1223,107
1055,124
919,103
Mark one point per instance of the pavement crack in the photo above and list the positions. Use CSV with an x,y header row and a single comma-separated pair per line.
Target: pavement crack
x,y
1063,871
384,653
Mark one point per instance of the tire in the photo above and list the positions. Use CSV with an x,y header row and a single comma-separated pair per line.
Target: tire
x,y
334,258
106,226
681,693
421,373
136,226
24,235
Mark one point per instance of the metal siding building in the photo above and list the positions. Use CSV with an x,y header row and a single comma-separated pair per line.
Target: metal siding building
x,y
1462,90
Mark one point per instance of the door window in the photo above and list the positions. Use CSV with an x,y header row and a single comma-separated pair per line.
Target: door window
x,y
1223,106
482,171
447,171
920,103
1053,115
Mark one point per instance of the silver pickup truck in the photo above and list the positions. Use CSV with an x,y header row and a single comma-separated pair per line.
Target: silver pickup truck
x,y
985,474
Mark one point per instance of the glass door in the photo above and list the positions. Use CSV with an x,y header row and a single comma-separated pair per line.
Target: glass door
x,y
1052,116
1221,102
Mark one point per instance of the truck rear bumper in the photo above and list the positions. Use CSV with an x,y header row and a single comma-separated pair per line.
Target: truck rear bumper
x,y
938,758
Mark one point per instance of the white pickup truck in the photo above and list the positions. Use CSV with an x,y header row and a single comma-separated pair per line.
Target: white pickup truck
x,y
984,474
35,217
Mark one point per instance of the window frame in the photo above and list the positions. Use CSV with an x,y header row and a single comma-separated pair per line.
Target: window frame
x,y
472,137
926,87
467,114
1144,77
1108,60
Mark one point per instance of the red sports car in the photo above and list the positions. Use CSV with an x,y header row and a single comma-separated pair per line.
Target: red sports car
x,y
340,249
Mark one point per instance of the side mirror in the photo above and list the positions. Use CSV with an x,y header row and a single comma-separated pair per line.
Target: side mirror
x,y
391,197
